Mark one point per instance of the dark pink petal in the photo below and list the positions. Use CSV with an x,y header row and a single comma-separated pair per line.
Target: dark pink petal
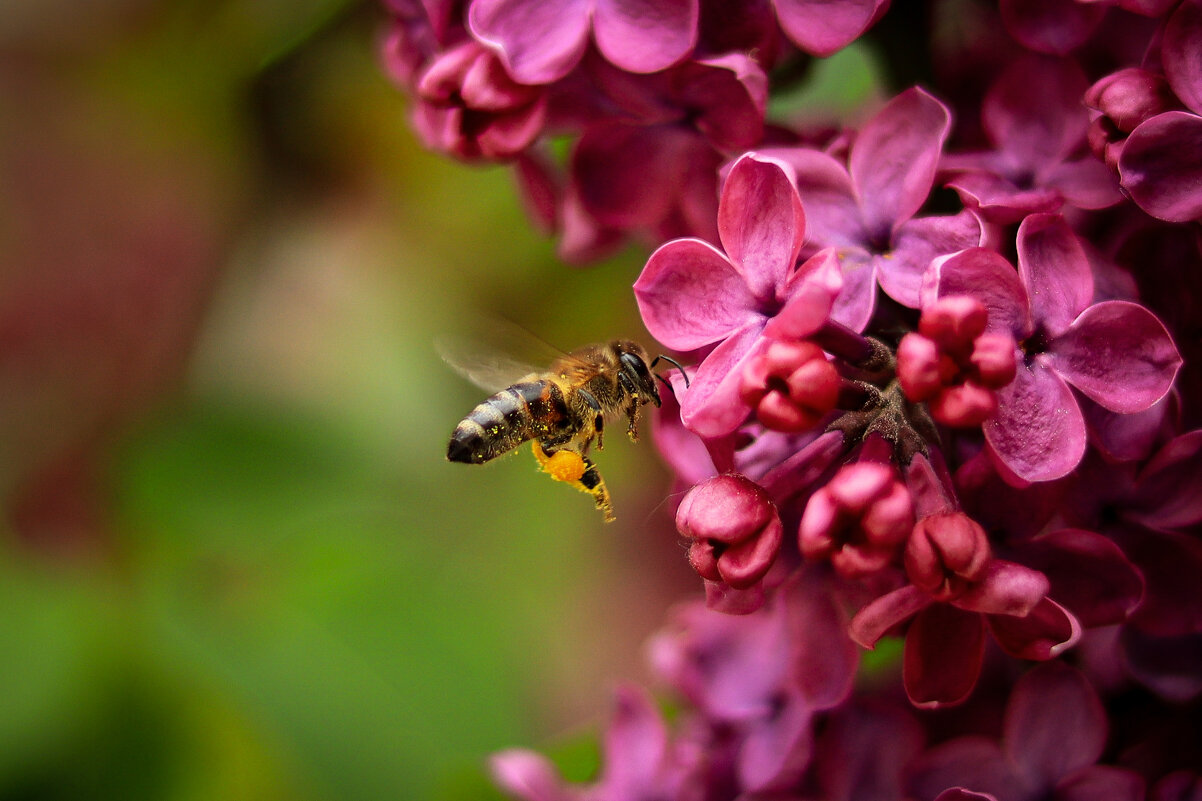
x,y
856,302
527,775
1054,270
942,658
894,158
824,658
1086,183
827,194
812,291
1170,486
1038,432
1119,354
960,794
1005,588
635,744
1126,437
1034,111
971,761
711,407
1101,783
1161,166
1169,666
776,750
721,597
999,201
916,244
644,35
761,223
1171,563
690,295
629,176
820,27
1051,26
986,276
1054,724
1089,574
874,620
512,133
539,42
863,751
1045,633
731,92
1181,52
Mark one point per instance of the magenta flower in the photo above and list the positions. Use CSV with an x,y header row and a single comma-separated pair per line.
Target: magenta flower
x,y
638,760
1053,733
1160,164
945,640
540,41
1034,118
650,162
470,108
692,295
953,365
858,520
866,208
1116,352
734,528
790,386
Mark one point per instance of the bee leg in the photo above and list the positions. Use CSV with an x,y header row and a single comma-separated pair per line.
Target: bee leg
x,y
598,419
632,411
579,471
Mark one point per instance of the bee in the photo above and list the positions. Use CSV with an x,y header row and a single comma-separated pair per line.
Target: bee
x,y
563,411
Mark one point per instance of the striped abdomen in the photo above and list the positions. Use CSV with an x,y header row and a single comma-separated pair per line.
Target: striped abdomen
x,y
528,410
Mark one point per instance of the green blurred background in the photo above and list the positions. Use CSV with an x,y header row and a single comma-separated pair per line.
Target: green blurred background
x,y
236,563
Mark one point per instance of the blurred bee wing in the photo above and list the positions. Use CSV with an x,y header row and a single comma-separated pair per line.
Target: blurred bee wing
x,y
486,364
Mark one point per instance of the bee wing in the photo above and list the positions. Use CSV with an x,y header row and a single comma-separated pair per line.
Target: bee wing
x,y
484,366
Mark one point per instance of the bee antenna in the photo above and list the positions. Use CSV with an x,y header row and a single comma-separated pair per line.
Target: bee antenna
x,y
670,360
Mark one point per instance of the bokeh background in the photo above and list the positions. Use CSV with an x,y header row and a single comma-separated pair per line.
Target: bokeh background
x,y
236,564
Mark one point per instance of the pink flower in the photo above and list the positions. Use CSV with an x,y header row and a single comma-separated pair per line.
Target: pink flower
x,y
1116,352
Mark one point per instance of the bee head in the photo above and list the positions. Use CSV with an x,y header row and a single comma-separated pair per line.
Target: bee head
x,y
634,366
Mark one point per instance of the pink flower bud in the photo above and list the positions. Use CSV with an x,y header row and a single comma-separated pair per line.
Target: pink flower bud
x,y
857,520
946,554
953,365
735,529
790,385
1130,96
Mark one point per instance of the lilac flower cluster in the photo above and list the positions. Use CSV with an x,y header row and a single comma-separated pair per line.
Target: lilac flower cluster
x,y
943,379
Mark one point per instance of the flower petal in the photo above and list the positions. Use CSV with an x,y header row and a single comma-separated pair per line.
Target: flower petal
x,y
1170,485
1181,51
1038,432
527,775
1054,724
942,658
1101,783
539,42
971,761
1005,589
820,27
1161,166
916,244
827,194
1054,270
1089,575
1044,634
628,176
856,301
635,744
711,407
1085,183
1051,26
1034,111
824,658
761,223
876,618
998,200
690,295
1119,354
645,35
894,158
986,276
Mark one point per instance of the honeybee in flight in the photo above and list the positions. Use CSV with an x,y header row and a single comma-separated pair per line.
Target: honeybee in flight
x,y
563,411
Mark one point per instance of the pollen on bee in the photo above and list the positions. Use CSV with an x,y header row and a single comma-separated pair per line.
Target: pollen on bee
x,y
564,466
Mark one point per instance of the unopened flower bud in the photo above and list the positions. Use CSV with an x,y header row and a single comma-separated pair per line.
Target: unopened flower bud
x,y
953,365
790,385
1130,96
734,527
857,520
946,554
